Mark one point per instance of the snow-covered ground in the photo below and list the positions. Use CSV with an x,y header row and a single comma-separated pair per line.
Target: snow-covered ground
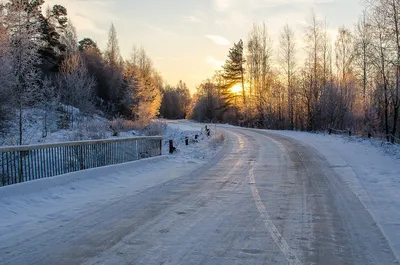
x,y
371,169
84,127
42,204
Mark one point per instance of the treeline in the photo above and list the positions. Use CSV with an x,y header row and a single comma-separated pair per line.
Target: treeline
x,y
43,65
175,101
352,82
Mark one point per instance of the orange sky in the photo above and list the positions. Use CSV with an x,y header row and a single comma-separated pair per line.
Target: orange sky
x,y
188,40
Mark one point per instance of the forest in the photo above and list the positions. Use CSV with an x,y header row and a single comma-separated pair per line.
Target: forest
x,y
44,65
348,83
310,82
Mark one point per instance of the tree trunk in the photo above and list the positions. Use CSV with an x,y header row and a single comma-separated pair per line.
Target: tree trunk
x,y
387,131
20,121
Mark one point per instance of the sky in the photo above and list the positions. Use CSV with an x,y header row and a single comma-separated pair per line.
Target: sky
x,y
189,39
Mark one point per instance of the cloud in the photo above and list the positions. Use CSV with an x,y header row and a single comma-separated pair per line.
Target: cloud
x,y
222,5
234,19
162,31
88,16
218,40
193,19
216,63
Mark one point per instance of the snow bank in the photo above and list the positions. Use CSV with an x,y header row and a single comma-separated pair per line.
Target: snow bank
x,y
371,169
178,131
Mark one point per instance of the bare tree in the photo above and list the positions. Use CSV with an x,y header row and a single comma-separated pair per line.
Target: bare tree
x,y
49,101
313,48
392,9
344,54
75,85
112,54
259,56
114,70
287,58
381,51
362,50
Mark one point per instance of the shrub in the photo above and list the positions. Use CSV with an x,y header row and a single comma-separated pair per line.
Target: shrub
x,y
90,130
116,125
217,140
154,129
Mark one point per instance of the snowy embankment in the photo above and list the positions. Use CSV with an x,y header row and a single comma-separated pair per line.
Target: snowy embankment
x,y
371,169
32,207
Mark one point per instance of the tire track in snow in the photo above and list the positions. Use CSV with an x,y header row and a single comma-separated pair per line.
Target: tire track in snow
x,y
273,231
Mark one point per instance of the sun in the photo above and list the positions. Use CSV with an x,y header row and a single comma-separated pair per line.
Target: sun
x,y
236,89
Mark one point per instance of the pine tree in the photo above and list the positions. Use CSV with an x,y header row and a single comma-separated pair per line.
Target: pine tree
x,y
53,27
88,45
234,67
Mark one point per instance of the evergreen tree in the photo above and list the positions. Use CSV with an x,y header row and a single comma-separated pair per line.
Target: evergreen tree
x,y
88,45
234,67
53,27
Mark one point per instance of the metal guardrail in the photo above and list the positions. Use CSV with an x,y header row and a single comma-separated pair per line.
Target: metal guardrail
x,y
25,163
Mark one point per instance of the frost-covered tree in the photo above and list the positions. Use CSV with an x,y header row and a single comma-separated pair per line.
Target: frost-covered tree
x,y
49,102
75,85
112,54
287,59
6,80
53,26
145,84
70,39
24,32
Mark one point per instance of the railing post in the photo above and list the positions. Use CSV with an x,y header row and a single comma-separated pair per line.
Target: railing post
x,y
3,174
20,168
171,146
137,150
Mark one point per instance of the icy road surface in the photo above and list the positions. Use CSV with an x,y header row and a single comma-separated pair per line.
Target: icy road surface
x,y
263,199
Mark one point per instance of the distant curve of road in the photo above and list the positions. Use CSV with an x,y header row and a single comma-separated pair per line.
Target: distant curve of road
x,y
264,199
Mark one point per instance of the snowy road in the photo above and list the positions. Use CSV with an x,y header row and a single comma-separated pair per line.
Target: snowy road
x,y
264,199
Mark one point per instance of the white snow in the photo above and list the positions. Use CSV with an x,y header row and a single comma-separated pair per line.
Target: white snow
x,y
371,169
84,128
31,207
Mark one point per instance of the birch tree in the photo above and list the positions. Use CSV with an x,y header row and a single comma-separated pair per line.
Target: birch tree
x,y
362,62
287,58
259,56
